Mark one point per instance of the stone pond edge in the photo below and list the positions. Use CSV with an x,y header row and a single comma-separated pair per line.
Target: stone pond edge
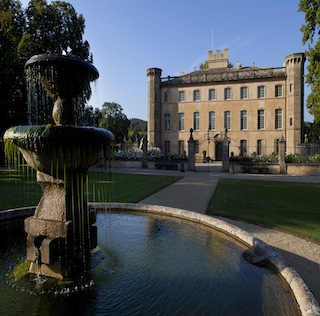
x,y
305,299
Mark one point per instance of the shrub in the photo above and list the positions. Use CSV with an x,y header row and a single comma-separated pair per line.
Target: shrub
x,y
175,157
128,154
137,154
293,158
273,158
154,153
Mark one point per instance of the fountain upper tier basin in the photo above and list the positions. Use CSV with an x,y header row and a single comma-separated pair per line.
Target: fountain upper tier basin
x,y
70,77
45,147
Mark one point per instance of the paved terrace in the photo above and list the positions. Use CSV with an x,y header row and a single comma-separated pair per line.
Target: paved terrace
x,y
194,191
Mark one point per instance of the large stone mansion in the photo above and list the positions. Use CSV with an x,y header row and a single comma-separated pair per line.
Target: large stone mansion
x,y
255,106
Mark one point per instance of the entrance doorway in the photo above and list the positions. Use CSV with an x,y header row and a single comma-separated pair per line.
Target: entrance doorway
x,y
218,151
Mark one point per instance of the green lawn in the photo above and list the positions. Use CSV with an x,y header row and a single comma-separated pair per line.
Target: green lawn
x,y
287,206
126,187
19,188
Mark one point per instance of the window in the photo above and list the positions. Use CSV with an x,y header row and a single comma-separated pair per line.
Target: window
x,y
291,87
181,96
166,96
260,119
166,147
243,119
227,93
243,147
278,119
259,147
243,93
167,122
196,95
181,121
181,147
212,94
212,120
196,121
227,119
278,91
260,92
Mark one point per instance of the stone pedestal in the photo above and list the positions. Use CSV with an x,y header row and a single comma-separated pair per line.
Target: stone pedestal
x,y
191,152
225,153
282,156
60,234
145,152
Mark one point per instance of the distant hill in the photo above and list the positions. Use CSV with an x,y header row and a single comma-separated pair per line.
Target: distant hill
x,y
137,125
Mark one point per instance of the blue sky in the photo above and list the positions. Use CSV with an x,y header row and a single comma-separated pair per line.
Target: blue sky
x,y
127,37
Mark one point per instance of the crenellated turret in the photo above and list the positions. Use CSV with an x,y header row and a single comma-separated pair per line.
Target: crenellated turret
x,y
294,120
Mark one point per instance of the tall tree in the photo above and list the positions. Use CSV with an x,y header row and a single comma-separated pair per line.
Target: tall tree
x,y
41,28
311,31
53,28
12,84
114,119
90,116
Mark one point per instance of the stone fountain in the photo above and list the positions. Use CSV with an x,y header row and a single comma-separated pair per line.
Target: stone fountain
x,y
61,234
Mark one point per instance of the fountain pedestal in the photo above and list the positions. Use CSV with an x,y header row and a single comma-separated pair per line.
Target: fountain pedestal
x,y
60,234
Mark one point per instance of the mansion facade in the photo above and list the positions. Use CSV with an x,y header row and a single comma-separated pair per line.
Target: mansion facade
x,y
255,106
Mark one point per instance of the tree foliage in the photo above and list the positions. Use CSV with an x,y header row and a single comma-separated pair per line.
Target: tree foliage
x,y
138,125
12,84
310,31
91,116
204,65
53,28
40,28
114,119
137,130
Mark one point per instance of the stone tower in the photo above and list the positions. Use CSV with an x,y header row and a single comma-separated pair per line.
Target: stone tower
x,y
154,107
294,90
218,60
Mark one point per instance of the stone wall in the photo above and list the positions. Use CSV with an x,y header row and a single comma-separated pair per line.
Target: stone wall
x,y
302,170
291,169
138,164
236,167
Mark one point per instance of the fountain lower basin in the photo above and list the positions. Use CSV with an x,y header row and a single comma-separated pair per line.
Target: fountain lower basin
x,y
153,259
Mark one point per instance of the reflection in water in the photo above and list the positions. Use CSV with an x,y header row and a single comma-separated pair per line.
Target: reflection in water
x,y
152,265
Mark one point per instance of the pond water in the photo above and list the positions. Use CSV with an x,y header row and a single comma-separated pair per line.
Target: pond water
x,y
153,265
